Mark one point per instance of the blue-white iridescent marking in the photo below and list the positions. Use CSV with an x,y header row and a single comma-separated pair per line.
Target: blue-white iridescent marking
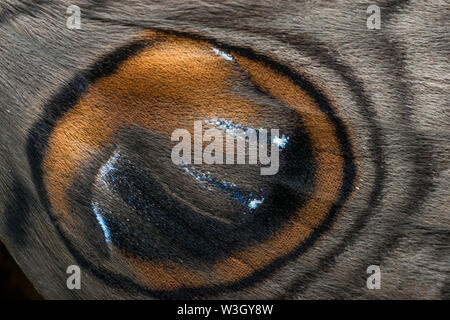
x,y
224,55
108,167
211,183
102,222
242,132
281,142
104,172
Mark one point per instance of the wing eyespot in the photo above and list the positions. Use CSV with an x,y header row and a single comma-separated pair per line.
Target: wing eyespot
x,y
103,162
